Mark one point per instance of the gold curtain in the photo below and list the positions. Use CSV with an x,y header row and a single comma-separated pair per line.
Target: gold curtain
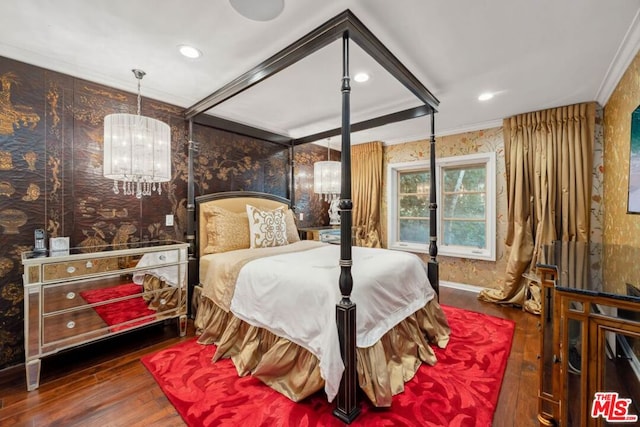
x,y
366,185
549,160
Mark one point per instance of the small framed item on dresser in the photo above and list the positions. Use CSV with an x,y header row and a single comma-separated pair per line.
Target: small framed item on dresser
x,y
58,246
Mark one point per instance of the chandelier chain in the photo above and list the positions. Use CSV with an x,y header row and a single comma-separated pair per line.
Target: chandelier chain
x,y
139,75
139,97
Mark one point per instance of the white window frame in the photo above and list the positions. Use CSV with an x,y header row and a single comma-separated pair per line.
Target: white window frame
x,y
393,171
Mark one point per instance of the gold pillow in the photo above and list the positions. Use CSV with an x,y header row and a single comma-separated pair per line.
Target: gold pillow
x,y
226,230
267,228
292,230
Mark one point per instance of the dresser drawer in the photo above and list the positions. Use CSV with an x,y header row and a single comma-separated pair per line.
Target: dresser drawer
x,y
58,297
91,321
56,271
71,325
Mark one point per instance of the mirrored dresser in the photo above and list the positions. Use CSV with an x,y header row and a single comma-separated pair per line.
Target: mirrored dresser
x,y
92,293
590,335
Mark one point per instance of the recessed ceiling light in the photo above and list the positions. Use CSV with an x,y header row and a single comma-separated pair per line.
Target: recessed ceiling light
x,y
485,96
189,51
361,77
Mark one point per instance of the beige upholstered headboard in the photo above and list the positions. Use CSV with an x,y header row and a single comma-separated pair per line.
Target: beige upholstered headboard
x,y
233,201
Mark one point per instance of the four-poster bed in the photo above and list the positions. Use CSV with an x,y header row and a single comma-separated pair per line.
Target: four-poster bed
x,y
427,320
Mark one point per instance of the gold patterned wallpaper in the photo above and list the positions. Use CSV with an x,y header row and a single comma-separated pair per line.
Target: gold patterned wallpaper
x,y
51,128
620,228
597,190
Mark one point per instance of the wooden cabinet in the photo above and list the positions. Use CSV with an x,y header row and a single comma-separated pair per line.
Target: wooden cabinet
x,y
94,293
589,335
549,357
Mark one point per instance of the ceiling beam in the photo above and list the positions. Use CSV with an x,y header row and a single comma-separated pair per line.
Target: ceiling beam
x,y
399,116
241,129
315,40
323,35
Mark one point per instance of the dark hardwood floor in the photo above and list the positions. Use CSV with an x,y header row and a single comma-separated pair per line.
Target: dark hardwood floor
x,y
104,384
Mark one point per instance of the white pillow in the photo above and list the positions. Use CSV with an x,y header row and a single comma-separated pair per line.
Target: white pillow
x,y
267,228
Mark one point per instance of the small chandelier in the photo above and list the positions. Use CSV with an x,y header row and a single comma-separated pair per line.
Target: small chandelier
x,y
137,151
326,177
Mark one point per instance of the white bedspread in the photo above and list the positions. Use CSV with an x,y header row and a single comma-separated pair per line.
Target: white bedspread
x,y
295,295
169,274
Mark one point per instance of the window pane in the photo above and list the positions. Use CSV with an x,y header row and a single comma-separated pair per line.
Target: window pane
x,y
414,206
471,205
466,205
466,178
464,233
414,182
414,231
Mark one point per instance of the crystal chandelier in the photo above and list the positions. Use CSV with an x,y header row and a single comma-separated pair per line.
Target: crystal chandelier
x,y
326,177
137,151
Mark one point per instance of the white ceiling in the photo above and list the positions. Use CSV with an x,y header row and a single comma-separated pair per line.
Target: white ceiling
x,y
532,54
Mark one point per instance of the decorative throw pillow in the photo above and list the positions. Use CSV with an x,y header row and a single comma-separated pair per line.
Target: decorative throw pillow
x,y
267,228
292,230
226,230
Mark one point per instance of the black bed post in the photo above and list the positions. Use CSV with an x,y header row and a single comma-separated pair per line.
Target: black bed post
x,y
432,267
347,408
191,222
292,173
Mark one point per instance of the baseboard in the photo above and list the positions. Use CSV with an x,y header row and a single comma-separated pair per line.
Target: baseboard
x,y
12,372
461,286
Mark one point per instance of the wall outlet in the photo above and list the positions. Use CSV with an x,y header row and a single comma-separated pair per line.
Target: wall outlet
x,y
168,220
301,216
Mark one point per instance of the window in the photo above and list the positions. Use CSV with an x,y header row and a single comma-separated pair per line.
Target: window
x,y
466,206
413,207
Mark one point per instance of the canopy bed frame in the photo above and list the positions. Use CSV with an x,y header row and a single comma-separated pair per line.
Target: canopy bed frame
x,y
347,27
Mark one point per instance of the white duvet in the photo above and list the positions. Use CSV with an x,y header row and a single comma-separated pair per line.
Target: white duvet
x,y
169,274
294,296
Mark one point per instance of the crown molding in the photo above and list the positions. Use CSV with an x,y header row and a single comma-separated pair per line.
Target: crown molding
x,y
621,61
453,131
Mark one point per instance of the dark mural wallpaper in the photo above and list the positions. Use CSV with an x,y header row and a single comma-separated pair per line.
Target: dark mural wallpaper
x,y
51,129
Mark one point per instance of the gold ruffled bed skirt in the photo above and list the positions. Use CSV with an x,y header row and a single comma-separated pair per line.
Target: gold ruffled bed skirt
x,y
160,295
293,371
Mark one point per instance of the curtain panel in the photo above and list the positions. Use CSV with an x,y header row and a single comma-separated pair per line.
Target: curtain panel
x,y
366,185
549,160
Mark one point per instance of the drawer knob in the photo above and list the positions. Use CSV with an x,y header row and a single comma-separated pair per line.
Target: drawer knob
x,y
89,264
162,257
71,269
71,324
71,295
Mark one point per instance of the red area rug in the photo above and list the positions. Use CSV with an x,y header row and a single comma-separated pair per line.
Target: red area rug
x,y
460,390
121,311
